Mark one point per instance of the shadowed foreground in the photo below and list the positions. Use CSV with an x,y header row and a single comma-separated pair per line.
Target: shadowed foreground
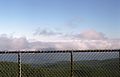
x,y
90,68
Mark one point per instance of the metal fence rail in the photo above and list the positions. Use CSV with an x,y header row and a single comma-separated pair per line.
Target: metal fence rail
x,y
61,63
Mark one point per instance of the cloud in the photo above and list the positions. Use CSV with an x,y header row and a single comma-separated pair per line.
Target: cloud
x,y
46,32
90,35
9,43
90,39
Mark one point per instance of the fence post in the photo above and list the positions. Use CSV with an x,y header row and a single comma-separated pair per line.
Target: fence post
x,y
19,65
119,60
71,75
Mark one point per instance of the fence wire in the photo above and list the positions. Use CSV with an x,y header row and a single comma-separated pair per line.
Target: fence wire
x,y
8,65
75,63
45,64
96,64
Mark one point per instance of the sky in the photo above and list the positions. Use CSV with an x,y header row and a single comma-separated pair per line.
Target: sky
x,y
28,21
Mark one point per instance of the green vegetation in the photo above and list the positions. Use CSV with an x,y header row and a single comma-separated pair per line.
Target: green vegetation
x,y
93,68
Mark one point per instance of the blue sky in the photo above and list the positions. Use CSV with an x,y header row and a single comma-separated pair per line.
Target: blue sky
x,y
23,17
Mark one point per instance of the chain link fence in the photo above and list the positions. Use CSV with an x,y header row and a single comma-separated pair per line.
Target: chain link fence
x,y
9,65
69,63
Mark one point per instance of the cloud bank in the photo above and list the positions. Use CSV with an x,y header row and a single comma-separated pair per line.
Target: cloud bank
x,y
89,39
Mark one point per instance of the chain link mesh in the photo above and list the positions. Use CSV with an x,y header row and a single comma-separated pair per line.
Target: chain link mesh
x,y
45,65
58,64
8,65
96,64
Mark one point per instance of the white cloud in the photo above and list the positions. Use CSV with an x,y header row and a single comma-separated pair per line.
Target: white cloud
x,y
9,43
85,40
90,35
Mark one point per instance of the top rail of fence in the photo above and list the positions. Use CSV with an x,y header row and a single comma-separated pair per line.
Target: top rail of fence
x,y
61,51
